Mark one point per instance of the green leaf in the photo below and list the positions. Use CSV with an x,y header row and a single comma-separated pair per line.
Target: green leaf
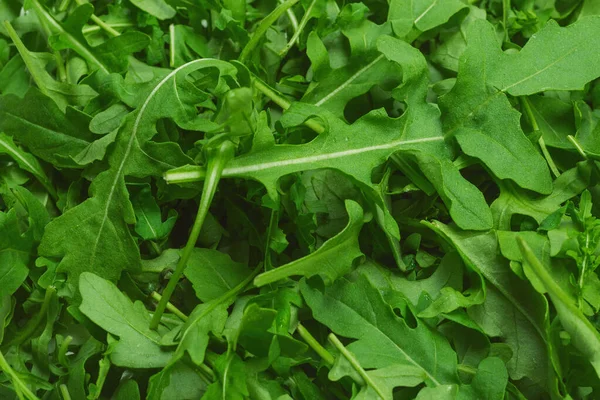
x,y
424,15
483,121
110,56
511,309
149,224
213,273
17,244
231,383
158,8
330,261
584,335
515,201
107,306
61,92
465,202
26,161
62,139
85,236
357,310
543,62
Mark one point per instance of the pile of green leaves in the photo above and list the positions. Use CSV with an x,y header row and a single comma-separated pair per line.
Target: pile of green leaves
x,y
299,199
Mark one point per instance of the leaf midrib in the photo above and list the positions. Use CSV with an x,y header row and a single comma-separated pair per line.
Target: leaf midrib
x,y
256,167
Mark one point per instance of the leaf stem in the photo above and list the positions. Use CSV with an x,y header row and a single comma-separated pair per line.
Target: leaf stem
x,y
60,66
355,364
107,28
578,147
262,28
20,386
283,103
541,142
584,265
94,28
327,357
298,29
205,369
64,4
62,352
64,392
170,307
216,163
172,45
467,369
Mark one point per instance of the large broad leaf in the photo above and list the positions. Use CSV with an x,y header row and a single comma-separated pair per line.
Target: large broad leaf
x,y
358,148
333,87
511,310
513,200
357,310
477,110
465,202
213,273
138,345
94,236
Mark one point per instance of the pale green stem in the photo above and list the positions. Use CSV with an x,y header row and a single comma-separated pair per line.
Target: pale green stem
x,y
102,374
541,142
584,265
208,372
170,307
107,28
216,163
172,45
64,392
154,247
355,364
263,27
20,386
578,147
292,17
557,294
315,345
64,4
505,8
298,29
64,346
284,104
60,64
95,28
467,369
225,297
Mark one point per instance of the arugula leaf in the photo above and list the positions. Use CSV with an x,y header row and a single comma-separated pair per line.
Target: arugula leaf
x,y
107,214
357,310
434,162
331,261
106,306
